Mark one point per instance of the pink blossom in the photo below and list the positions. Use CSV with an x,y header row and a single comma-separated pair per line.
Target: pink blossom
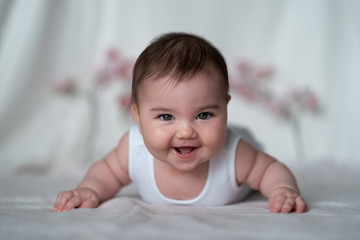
x,y
305,99
280,108
65,86
102,77
113,55
124,102
244,65
250,82
264,72
114,68
125,70
312,103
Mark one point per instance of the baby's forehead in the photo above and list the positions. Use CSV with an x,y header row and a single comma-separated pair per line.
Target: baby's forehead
x,y
169,83
154,84
173,78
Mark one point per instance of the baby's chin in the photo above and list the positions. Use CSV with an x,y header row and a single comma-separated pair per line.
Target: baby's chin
x,y
186,167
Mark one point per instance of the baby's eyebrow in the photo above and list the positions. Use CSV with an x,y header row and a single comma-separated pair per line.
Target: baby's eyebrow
x,y
202,108
160,109
208,107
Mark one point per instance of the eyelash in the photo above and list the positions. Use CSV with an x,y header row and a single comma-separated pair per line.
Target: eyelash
x,y
169,117
208,115
164,116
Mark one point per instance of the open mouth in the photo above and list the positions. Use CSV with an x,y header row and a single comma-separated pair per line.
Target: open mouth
x,y
185,152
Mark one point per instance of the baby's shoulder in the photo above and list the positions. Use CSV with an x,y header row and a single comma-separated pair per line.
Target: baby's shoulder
x,y
246,135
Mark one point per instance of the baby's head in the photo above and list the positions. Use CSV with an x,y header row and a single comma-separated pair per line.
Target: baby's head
x,y
179,100
179,56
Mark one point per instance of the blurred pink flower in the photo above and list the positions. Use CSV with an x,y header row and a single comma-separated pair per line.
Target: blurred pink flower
x,y
251,81
305,99
313,103
125,70
264,72
113,54
244,65
124,102
114,68
280,108
102,76
65,86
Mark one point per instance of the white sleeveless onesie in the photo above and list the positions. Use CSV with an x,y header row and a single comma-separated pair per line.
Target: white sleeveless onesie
x,y
220,188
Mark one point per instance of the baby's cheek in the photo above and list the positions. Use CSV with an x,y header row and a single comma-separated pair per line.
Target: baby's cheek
x,y
156,146
219,137
215,142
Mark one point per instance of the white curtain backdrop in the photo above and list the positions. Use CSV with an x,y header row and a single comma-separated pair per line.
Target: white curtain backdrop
x,y
312,43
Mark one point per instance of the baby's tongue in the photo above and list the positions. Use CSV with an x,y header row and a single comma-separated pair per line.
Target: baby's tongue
x,y
184,150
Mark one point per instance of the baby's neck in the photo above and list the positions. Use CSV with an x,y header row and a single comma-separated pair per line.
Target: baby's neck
x,y
180,185
169,170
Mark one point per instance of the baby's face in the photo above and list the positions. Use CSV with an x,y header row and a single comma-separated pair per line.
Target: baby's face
x,y
182,124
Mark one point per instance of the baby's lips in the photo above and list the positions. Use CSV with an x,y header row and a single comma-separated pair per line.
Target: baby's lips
x,y
184,150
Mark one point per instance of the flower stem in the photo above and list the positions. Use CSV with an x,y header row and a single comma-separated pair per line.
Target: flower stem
x,y
298,140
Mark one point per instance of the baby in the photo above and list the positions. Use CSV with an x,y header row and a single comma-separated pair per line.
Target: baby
x,y
182,151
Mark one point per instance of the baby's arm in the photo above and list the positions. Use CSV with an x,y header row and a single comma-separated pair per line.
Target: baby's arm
x,y
103,180
262,172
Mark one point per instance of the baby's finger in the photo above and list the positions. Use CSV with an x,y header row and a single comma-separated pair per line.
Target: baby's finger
x,y
300,205
58,207
73,203
288,205
276,203
62,199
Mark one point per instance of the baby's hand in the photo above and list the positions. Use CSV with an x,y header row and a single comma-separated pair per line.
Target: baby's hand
x,y
80,197
285,200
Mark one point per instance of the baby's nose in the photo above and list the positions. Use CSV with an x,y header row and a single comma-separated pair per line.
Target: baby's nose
x,y
185,131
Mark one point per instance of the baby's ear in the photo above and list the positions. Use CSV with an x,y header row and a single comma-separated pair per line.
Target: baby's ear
x,y
228,98
135,113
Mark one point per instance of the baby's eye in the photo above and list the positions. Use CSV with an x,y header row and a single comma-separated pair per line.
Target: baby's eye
x,y
166,117
204,116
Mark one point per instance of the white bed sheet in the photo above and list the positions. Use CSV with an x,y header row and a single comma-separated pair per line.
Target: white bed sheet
x,y
332,192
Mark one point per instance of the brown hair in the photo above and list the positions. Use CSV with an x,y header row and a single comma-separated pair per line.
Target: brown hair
x,y
178,55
